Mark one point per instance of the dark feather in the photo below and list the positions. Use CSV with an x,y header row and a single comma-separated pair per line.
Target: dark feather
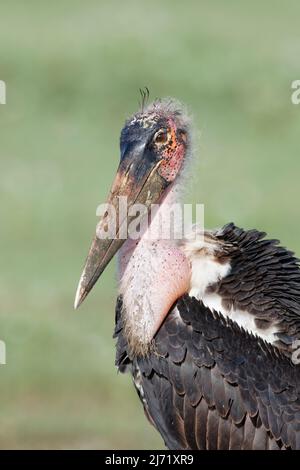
x,y
210,384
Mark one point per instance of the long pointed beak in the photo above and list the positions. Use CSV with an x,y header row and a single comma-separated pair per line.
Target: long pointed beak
x,y
138,180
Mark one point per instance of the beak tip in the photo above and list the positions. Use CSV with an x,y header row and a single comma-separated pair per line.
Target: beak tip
x,y
76,304
81,293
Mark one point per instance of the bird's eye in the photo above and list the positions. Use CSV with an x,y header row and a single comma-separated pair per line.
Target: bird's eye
x,y
161,137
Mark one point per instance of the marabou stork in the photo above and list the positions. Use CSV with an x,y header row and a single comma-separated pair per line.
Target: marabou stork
x,y
205,326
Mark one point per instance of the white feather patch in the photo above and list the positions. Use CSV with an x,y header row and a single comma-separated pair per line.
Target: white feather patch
x,y
206,271
241,317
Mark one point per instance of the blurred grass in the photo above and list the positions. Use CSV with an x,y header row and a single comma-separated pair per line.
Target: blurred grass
x,y
72,71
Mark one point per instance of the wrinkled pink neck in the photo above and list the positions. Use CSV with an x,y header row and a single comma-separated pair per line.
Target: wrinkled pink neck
x,y
130,245
153,274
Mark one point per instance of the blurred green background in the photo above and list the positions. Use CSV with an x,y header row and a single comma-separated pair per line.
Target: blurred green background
x,y
73,69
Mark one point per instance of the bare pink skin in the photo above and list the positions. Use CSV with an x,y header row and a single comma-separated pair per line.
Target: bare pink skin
x,y
156,275
167,284
153,274
173,155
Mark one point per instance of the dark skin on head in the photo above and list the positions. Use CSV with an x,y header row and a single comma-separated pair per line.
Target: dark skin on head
x,y
144,145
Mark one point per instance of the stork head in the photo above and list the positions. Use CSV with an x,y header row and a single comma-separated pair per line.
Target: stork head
x,y
153,148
